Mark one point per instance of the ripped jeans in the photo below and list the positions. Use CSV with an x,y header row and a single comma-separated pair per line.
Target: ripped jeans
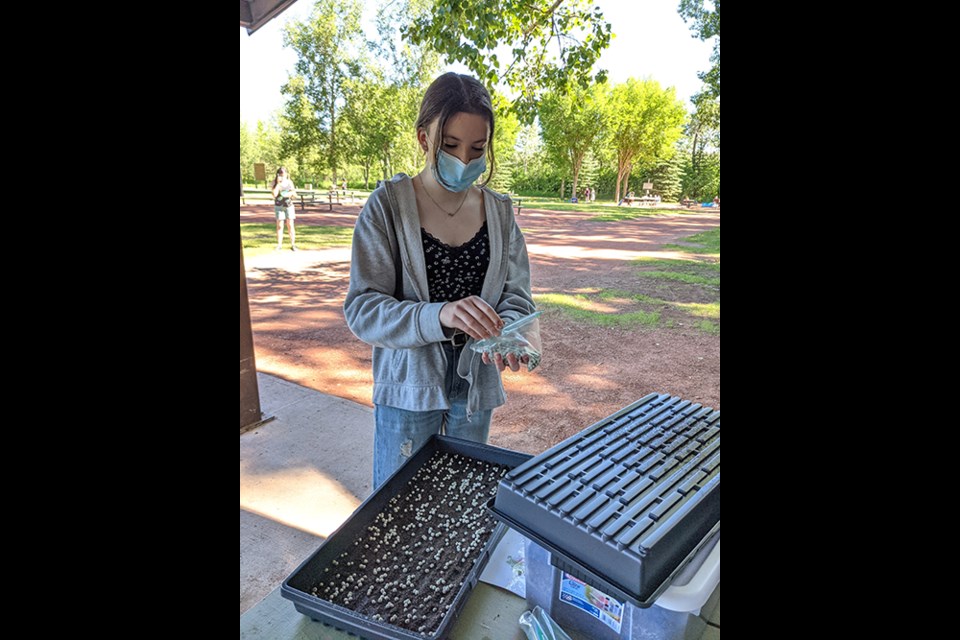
x,y
399,433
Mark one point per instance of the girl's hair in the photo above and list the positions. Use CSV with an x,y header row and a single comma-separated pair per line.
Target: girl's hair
x,y
280,170
454,93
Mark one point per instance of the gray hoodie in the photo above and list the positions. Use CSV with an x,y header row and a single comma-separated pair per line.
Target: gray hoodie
x,y
409,363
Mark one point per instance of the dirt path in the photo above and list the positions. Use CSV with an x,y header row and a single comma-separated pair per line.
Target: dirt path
x,y
588,372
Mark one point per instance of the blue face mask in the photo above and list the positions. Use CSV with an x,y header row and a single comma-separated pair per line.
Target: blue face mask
x,y
455,176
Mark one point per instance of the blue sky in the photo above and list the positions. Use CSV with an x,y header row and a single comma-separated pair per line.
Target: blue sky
x,y
651,41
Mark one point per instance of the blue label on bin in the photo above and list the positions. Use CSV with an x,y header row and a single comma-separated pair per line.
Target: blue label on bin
x,y
591,600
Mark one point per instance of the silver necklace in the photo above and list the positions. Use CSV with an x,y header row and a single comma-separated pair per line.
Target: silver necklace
x,y
456,211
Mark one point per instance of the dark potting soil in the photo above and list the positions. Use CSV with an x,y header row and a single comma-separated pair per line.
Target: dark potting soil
x,y
410,562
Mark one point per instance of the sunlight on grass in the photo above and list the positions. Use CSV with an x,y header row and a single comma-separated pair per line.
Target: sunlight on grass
x,y
585,309
629,214
616,294
579,308
677,264
701,309
700,271
608,209
262,238
579,301
688,278
555,204
709,241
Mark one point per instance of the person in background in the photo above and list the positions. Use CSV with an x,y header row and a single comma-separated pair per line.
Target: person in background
x,y
283,194
437,263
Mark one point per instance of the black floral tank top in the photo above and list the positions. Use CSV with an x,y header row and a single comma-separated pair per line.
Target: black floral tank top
x,y
453,273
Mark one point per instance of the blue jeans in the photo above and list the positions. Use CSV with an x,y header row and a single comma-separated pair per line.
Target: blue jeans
x,y
399,433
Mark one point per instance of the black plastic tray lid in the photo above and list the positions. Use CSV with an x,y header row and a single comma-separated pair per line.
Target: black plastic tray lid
x,y
627,502
298,585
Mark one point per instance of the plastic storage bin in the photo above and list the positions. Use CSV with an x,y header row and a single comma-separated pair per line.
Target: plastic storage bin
x,y
575,605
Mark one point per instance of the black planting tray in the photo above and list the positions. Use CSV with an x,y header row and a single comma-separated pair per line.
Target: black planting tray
x,y
625,503
297,587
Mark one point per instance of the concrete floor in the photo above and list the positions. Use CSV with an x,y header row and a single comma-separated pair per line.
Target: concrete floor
x,y
301,475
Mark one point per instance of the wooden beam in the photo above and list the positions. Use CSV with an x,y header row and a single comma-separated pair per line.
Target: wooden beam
x,y
249,388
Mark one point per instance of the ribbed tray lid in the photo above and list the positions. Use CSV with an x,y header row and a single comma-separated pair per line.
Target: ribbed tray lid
x,y
628,500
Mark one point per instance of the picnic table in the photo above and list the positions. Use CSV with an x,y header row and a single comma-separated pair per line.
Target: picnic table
x,y
333,197
517,201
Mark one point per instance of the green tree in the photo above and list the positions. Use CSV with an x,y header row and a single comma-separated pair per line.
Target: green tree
x,y
301,137
705,24
571,123
644,122
248,153
403,62
703,181
703,132
553,44
328,47
267,144
528,147
260,144
667,177
504,146
382,102
590,169
532,175
380,118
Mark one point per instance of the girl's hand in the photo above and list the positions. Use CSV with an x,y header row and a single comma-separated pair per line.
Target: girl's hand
x,y
473,316
502,363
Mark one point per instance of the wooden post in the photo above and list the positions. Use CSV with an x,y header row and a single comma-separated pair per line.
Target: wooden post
x,y
249,389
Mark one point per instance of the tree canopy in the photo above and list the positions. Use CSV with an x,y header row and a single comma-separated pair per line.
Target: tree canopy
x,y
644,122
352,101
328,47
705,24
549,44
572,122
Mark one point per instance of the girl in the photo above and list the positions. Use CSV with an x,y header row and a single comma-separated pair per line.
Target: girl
x,y
283,194
438,262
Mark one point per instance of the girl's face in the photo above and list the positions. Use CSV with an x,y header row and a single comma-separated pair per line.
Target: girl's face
x,y
464,137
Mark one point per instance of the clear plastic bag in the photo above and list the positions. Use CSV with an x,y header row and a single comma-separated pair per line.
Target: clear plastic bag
x,y
520,338
540,626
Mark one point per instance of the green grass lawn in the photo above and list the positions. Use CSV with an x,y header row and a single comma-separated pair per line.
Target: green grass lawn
x,y
616,214
665,293
608,208
262,238
583,307
707,242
